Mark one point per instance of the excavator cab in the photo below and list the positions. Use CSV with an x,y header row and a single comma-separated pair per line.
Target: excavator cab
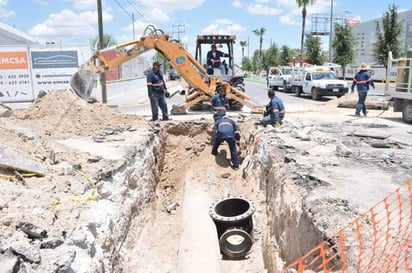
x,y
233,73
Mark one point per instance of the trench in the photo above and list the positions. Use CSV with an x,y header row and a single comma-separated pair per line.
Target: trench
x,y
168,227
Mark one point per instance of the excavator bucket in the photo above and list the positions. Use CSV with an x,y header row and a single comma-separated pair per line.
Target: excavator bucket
x,y
83,82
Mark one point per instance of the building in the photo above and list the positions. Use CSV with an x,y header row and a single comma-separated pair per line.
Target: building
x,y
365,34
12,36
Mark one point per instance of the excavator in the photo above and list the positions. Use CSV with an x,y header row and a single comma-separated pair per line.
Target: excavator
x,y
201,86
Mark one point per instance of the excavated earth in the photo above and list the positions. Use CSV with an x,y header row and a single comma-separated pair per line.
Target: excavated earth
x,y
86,188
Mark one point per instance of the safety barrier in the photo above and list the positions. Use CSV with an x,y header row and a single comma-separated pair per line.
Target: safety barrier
x,y
378,241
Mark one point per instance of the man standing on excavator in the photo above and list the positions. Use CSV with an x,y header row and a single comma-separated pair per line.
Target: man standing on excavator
x,y
156,88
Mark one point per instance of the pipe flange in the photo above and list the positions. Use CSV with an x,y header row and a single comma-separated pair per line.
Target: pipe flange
x,y
235,243
231,209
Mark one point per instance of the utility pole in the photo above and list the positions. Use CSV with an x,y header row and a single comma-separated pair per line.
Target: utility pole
x,y
330,31
133,26
101,45
178,30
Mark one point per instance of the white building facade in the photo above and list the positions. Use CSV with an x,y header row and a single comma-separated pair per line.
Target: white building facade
x,y
365,34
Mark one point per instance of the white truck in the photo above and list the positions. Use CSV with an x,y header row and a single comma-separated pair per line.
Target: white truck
x,y
401,92
280,77
317,81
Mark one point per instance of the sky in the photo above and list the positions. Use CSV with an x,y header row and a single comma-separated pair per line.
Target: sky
x,y
76,21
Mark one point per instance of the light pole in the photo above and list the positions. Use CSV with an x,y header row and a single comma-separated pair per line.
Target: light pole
x,y
330,31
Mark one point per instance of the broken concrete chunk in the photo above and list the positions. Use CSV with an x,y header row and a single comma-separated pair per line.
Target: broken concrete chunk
x,y
378,135
27,251
31,230
342,150
14,160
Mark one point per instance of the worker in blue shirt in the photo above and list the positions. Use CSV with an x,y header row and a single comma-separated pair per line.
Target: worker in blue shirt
x,y
227,130
362,80
275,110
213,60
156,88
219,102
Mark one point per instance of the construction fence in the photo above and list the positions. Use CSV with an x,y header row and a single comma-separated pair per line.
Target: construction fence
x,y
378,241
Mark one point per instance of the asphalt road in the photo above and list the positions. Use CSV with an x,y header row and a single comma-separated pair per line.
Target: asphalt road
x,y
131,96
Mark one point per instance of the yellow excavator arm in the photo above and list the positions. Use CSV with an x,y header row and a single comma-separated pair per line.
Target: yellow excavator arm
x,y
202,85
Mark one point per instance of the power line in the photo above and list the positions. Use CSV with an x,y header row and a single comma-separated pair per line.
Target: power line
x,y
125,11
138,12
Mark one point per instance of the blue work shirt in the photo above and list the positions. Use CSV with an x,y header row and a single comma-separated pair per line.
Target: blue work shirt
x,y
362,80
276,109
219,104
226,128
155,83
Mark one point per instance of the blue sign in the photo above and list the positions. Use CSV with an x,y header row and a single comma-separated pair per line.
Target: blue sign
x,y
54,59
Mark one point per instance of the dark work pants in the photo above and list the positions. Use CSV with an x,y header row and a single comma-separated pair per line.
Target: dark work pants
x,y
361,106
232,146
158,101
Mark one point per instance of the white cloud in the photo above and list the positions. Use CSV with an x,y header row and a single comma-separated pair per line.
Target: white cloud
x,y
223,26
288,20
262,9
171,5
83,4
236,4
4,12
42,2
58,25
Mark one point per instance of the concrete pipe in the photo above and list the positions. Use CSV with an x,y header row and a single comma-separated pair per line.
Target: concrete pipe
x,y
198,248
234,224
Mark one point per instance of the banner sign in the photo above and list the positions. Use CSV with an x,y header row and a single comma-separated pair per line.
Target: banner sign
x,y
25,71
15,78
54,59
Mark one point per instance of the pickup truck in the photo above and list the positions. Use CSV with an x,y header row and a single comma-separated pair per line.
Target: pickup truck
x,y
401,93
280,77
317,81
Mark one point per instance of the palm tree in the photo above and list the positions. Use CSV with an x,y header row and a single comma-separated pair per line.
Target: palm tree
x,y
243,44
303,3
260,32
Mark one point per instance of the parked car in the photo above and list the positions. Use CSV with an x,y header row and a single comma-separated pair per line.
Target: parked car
x,y
174,75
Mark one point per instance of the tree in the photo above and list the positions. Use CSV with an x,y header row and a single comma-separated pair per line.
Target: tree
x,y
243,44
389,39
343,45
313,49
303,4
108,41
260,32
285,55
271,57
246,64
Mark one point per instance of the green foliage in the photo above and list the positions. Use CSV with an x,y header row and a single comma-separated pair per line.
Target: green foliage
x,y
286,55
247,64
271,57
302,4
389,37
313,49
260,32
243,44
108,41
343,45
